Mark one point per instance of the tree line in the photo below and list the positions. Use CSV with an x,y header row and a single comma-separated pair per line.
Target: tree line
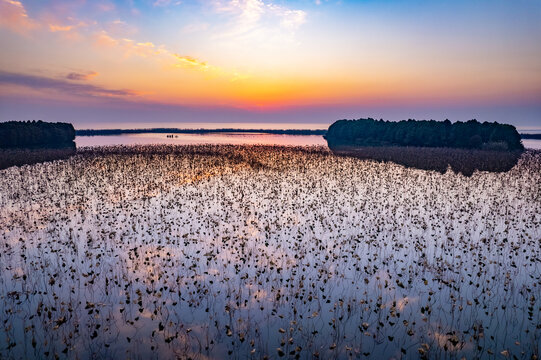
x,y
424,133
32,134
531,136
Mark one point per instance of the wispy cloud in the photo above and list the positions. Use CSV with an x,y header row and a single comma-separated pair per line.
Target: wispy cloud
x,y
189,61
143,49
56,28
63,86
81,76
13,16
195,27
161,53
105,6
290,19
103,39
255,14
166,2
120,27
129,46
67,26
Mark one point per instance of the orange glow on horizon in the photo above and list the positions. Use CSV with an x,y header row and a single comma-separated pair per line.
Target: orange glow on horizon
x,y
266,57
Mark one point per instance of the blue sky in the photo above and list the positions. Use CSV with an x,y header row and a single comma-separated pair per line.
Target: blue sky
x,y
97,62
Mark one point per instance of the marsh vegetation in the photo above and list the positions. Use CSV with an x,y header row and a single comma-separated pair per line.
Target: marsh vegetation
x,y
252,251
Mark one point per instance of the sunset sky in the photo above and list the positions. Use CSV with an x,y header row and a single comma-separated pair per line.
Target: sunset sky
x,y
130,63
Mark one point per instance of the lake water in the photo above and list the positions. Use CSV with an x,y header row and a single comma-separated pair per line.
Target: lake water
x,y
532,143
219,138
189,139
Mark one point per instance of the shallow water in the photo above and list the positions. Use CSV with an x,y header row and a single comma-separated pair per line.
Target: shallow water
x,y
206,252
190,139
219,138
532,143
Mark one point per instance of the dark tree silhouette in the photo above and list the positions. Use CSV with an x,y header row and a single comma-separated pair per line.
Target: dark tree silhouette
x,y
424,133
36,134
29,142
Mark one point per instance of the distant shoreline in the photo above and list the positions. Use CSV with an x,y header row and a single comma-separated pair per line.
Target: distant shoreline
x,y
531,136
105,132
321,132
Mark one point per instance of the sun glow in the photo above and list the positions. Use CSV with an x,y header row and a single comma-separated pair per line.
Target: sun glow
x,y
264,55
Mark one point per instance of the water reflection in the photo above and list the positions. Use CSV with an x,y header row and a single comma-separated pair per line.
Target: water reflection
x,y
212,138
532,144
144,252
24,156
438,159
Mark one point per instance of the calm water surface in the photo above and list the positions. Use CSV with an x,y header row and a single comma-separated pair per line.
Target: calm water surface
x,y
267,253
215,138
220,138
532,143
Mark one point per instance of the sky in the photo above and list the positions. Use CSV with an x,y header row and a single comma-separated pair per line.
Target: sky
x,y
134,63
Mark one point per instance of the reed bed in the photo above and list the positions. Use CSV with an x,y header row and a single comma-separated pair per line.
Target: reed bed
x,y
211,251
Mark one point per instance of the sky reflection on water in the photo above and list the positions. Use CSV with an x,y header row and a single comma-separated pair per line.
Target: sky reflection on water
x,y
252,251
189,139
220,138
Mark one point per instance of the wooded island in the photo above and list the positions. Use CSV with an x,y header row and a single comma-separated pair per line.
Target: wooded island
x,y
424,133
35,134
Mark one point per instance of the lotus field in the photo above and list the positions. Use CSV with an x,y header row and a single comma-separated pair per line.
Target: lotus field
x,y
217,251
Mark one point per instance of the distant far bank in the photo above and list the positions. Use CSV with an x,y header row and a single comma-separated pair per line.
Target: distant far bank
x,y
19,135
321,132
29,142
530,136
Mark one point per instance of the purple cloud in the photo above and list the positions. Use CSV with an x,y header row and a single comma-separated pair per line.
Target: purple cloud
x,y
61,85
81,76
